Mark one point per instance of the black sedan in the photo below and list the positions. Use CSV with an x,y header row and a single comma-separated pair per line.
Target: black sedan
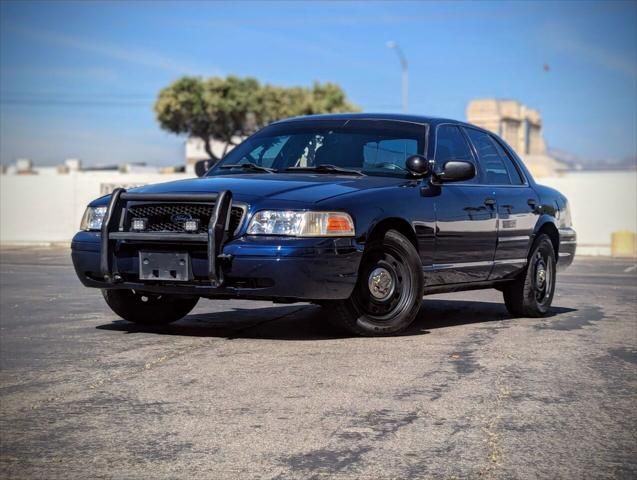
x,y
363,214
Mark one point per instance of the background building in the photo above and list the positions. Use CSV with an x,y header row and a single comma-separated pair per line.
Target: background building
x,y
521,127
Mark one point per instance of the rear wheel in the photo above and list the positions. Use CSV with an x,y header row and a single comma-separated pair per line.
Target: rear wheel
x,y
148,309
389,290
531,294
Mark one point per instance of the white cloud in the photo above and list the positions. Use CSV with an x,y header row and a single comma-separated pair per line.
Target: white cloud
x,y
137,56
94,73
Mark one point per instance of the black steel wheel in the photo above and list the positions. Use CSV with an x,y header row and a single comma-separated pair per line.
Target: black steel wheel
x,y
388,293
147,308
531,294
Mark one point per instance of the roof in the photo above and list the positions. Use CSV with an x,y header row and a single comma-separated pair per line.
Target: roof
x,y
400,117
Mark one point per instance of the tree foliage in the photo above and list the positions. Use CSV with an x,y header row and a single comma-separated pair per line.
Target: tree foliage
x,y
226,108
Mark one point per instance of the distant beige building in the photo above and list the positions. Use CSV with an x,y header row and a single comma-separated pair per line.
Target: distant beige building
x,y
520,126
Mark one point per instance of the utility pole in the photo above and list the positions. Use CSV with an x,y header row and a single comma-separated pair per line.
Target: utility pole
x,y
405,72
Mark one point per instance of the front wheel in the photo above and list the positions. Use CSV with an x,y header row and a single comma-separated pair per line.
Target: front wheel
x,y
531,294
148,309
389,290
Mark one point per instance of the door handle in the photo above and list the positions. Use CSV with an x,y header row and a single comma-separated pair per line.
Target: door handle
x,y
490,202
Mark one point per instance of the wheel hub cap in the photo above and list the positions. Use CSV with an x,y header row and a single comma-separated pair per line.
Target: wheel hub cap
x,y
540,275
381,283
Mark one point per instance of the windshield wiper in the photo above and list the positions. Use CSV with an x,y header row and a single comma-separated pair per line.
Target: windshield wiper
x,y
250,166
325,168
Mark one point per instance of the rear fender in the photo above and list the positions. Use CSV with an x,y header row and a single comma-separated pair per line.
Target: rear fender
x,y
547,224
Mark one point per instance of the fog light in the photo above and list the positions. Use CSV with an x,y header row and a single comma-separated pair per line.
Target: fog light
x,y
138,224
191,225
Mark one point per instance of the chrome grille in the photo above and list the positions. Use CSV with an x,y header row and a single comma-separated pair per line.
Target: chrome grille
x,y
160,216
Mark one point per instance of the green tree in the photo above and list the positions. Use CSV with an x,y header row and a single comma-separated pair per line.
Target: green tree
x,y
226,108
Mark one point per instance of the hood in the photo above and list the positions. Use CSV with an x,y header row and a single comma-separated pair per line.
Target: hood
x,y
288,187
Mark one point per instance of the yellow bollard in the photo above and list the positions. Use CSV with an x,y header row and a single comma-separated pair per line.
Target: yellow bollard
x,y
623,244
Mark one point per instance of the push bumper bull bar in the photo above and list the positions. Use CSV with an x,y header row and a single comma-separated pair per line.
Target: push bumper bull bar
x,y
217,235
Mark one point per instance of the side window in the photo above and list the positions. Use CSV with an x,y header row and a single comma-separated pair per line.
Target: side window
x,y
451,145
492,164
514,173
381,153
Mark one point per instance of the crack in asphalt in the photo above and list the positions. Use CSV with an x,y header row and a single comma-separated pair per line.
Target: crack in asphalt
x,y
365,429
492,431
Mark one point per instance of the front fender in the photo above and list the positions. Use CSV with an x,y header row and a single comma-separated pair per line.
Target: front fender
x,y
402,208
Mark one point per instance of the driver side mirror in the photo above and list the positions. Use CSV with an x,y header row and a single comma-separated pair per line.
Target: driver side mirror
x,y
418,165
202,167
456,171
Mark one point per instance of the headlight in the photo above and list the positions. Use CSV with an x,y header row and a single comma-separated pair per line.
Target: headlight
x,y
93,218
301,224
564,216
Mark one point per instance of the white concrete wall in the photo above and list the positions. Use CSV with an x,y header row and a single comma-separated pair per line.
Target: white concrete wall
x,y
601,203
48,208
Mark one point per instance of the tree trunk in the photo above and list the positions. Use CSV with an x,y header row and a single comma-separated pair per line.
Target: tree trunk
x,y
229,143
208,148
225,150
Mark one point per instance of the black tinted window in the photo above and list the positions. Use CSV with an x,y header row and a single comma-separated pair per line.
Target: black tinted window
x,y
451,145
265,153
384,153
491,162
375,148
514,173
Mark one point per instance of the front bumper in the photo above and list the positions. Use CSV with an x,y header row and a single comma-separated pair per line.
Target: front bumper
x,y
568,245
273,268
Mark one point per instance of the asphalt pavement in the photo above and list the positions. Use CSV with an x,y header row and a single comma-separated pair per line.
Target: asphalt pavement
x,y
247,390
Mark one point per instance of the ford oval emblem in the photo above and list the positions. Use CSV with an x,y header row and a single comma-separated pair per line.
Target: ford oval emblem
x,y
181,217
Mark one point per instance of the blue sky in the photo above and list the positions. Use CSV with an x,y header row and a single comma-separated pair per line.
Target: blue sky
x,y
78,79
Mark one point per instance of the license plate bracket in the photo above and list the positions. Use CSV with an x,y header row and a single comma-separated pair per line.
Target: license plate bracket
x,y
165,266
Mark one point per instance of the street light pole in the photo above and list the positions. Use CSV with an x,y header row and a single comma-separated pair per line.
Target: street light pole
x,y
405,72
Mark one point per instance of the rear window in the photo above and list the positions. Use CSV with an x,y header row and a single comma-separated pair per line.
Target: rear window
x,y
514,173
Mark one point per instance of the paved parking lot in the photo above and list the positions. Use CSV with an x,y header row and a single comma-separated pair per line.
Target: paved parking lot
x,y
255,390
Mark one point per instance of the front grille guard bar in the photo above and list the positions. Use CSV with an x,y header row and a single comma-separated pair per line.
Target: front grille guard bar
x,y
216,237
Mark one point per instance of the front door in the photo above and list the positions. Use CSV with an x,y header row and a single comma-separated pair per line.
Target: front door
x,y
466,234
466,218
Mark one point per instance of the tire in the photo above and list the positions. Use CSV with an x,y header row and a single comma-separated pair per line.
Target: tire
x,y
531,294
387,296
148,309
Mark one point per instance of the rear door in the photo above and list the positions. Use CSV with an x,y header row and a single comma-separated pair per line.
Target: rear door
x,y
465,218
517,203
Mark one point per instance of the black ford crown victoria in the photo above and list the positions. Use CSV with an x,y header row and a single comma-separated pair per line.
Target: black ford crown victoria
x,y
360,213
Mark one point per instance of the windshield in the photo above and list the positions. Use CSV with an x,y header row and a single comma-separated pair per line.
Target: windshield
x,y
369,147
